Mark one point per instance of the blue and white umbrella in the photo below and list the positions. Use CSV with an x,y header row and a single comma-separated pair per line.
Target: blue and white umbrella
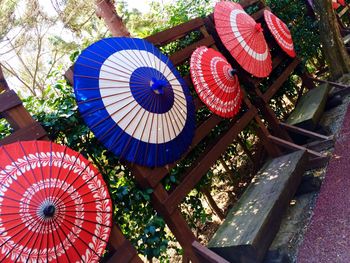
x,y
134,100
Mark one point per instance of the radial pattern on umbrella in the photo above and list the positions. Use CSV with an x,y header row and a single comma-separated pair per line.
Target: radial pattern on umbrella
x,y
134,100
243,38
280,32
54,205
216,82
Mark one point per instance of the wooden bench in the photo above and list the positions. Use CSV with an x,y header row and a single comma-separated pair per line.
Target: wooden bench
x,y
253,222
310,108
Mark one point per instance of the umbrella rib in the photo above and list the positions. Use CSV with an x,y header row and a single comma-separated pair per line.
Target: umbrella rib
x,y
41,167
111,114
134,130
124,75
59,171
104,107
52,222
41,240
69,172
143,131
144,60
154,51
85,229
8,155
84,183
116,42
16,200
16,234
50,172
87,220
33,233
78,237
138,61
30,165
106,96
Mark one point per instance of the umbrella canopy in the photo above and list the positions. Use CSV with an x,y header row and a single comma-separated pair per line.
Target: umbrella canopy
x,y
280,32
337,3
243,38
54,205
215,81
134,100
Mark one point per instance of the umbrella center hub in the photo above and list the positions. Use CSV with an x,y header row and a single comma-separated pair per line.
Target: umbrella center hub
x,y
158,85
49,211
233,72
258,27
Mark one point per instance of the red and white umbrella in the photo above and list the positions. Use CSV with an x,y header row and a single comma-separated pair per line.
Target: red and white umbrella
x,y
54,205
215,81
280,32
337,3
243,38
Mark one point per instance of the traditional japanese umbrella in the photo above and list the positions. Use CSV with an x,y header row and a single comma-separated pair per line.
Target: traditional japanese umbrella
x,y
134,100
280,32
337,3
54,205
243,38
216,82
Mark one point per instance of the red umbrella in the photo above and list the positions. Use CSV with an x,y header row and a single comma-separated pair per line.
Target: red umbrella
x,y
243,37
280,32
337,3
54,205
215,82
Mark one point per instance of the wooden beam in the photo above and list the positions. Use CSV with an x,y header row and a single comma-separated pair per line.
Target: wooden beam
x,y
280,80
172,34
306,133
33,131
205,255
124,250
207,159
184,54
295,147
8,100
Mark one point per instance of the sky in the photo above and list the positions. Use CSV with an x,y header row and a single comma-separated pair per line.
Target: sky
x,y
141,5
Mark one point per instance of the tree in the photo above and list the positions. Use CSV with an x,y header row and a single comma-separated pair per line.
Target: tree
x,y
332,43
106,9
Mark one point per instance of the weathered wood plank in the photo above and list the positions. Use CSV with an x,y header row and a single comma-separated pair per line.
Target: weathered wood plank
x,y
184,54
308,111
8,100
177,32
306,133
281,79
31,132
295,147
207,159
124,250
253,222
205,255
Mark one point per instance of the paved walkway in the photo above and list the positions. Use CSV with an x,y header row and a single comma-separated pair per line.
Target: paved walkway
x,y
327,239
